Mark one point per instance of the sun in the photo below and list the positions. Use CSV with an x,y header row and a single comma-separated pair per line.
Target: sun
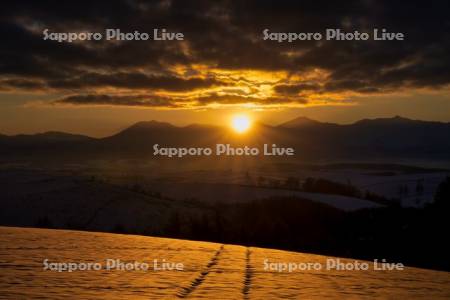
x,y
240,123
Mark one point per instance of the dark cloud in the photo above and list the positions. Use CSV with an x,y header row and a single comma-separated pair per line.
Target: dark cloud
x,y
25,84
134,80
236,99
294,89
133,100
225,35
171,102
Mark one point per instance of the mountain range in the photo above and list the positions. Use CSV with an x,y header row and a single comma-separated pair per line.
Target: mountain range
x,y
368,139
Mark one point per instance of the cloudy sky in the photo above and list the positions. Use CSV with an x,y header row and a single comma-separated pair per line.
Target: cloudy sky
x,y
222,66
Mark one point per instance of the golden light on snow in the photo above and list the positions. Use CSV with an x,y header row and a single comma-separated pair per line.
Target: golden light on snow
x,y
210,271
240,123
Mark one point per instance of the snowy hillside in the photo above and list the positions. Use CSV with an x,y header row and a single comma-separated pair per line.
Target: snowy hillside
x,y
209,271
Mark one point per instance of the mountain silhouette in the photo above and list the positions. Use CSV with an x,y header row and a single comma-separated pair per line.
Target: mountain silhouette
x,y
303,122
382,138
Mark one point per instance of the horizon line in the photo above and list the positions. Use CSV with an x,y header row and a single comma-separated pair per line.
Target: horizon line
x,y
398,117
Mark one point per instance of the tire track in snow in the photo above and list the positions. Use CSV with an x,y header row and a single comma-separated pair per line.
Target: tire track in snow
x,y
186,291
248,275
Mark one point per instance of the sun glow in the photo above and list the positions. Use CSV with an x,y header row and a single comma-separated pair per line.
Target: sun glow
x,y
240,123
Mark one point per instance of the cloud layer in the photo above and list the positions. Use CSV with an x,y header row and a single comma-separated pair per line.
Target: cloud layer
x,y
223,59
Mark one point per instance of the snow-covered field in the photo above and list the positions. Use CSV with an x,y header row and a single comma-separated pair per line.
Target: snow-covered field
x,y
210,271
231,193
78,202
240,185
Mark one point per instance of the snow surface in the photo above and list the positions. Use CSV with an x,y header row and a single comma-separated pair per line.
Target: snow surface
x,y
211,271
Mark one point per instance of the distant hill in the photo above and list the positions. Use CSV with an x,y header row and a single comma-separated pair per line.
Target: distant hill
x,y
50,144
47,136
368,139
303,122
376,138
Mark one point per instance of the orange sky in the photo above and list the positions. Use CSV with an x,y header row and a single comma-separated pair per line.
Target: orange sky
x,y
24,113
223,65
